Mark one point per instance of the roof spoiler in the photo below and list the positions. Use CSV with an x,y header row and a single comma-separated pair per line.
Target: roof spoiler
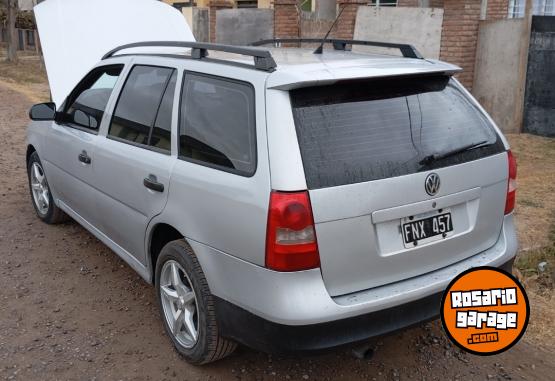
x,y
281,83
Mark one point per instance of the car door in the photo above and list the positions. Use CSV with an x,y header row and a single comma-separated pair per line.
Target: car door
x,y
134,160
72,140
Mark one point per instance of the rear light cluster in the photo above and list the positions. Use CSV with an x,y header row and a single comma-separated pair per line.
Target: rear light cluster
x,y
511,188
290,238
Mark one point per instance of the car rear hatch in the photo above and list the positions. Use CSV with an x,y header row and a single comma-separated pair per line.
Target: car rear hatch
x,y
405,175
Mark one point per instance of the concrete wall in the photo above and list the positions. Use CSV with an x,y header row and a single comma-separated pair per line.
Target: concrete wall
x,y
188,14
326,9
201,24
243,26
26,5
500,71
267,4
313,26
27,39
420,27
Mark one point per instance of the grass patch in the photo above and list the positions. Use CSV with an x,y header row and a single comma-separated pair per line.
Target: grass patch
x,y
26,71
28,77
535,205
528,264
530,203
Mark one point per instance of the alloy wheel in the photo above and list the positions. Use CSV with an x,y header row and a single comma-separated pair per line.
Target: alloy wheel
x,y
39,188
179,303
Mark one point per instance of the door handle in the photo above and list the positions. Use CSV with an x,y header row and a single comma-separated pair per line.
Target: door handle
x,y
152,183
84,158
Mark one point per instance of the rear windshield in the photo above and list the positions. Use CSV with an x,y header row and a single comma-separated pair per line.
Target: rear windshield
x,y
360,131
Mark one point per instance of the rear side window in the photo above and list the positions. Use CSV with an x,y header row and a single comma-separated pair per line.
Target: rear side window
x,y
161,132
361,131
87,103
143,112
217,126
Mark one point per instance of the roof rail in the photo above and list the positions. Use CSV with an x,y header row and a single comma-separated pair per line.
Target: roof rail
x,y
407,50
263,59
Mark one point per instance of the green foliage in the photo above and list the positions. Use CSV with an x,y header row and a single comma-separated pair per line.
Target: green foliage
x,y
25,19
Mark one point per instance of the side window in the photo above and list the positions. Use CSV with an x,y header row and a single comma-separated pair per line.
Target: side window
x,y
143,112
217,124
87,103
161,132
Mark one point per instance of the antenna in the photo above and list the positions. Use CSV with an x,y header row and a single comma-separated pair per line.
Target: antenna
x,y
320,48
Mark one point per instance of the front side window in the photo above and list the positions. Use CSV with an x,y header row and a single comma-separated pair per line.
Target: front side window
x,y
86,105
143,112
217,124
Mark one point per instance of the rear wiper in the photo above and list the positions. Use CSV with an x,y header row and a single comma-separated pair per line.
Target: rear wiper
x,y
439,156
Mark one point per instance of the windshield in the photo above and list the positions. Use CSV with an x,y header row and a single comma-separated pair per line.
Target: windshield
x,y
360,131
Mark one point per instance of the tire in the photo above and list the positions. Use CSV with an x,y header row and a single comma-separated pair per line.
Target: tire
x,y
45,207
208,346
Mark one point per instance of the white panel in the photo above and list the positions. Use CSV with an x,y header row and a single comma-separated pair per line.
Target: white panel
x,y
75,34
286,166
420,27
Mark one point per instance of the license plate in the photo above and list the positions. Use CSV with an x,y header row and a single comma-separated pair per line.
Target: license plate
x,y
417,231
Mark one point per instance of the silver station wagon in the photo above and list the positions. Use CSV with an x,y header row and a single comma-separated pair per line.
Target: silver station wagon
x,y
276,197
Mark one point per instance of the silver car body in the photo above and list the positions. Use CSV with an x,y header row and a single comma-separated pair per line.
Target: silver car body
x,y
223,216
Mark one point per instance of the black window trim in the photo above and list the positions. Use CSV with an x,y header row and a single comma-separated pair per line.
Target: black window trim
x,y
160,105
206,164
135,144
65,105
139,145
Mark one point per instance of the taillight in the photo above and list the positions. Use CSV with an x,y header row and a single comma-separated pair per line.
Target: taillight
x,y
511,188
290,237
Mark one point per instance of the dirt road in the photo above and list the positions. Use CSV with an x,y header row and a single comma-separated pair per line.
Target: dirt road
x,y
70,309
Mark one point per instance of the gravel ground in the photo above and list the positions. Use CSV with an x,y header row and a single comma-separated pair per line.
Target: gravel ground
x,y
71,309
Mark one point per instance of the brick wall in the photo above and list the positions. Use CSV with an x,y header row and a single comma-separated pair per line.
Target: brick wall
x,y
345,27
215,5
460,35
418,3
346,24
497,9
313,26
436,3
408,3
286,19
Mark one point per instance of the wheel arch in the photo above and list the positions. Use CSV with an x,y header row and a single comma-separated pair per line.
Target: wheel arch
x,y
30,150
161,233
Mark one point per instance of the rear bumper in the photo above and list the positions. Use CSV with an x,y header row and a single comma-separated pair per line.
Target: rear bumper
x,y
301,298
263,335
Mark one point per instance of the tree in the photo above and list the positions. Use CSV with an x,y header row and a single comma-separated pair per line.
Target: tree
x,y
11,10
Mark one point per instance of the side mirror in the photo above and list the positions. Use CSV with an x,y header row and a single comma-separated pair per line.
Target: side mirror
x,y
43,111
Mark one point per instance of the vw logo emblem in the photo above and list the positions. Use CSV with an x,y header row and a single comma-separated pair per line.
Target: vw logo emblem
x,y
432,184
